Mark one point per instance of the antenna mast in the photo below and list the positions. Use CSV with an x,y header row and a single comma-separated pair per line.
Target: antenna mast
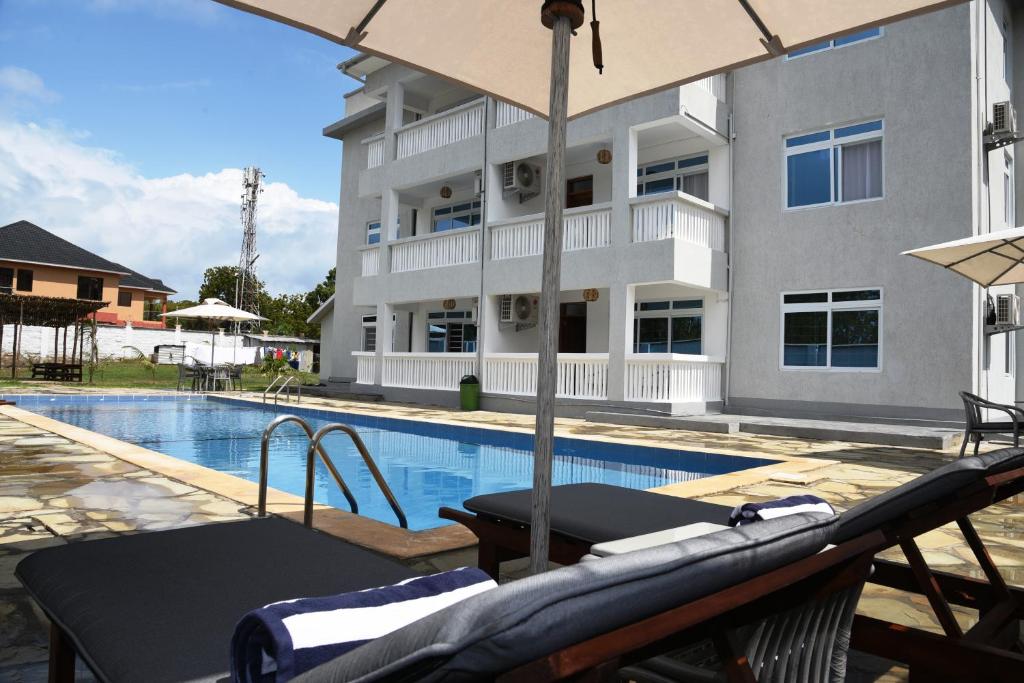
x,y
246,290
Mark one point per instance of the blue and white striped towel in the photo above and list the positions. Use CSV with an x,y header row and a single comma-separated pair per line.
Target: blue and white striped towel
x,y
278,642
756,512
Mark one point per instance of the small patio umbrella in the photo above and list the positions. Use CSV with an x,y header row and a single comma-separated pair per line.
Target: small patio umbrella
x,y
995,258
214,310
503,50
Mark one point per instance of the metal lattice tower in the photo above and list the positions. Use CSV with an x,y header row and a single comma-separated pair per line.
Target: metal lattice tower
x,y
246,290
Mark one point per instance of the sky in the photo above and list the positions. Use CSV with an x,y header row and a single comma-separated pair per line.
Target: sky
x,y
124,126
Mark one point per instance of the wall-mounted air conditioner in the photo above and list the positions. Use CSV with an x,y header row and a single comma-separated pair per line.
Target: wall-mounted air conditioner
x,y
524,308
505,309
1007,309
1004,119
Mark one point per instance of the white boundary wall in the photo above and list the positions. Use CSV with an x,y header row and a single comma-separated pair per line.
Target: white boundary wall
x,y
38,341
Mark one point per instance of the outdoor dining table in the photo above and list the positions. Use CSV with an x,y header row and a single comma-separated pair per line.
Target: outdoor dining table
x,y
207,377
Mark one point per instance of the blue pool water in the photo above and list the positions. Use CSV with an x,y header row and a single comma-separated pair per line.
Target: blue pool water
x,y
427,465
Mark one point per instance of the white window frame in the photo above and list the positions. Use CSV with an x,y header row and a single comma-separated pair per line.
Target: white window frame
x,y
675,172
669,313
368,322
464,318
828,307
835,161
831,45
370,230
474,208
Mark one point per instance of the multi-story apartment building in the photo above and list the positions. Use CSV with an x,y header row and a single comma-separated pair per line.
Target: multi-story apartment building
x,y
734,241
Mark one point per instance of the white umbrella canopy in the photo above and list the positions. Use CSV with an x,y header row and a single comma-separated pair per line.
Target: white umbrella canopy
x,y
504,51
519,52
214,309
995,258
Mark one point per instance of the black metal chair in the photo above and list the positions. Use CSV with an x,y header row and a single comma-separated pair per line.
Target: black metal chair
x,y
976,427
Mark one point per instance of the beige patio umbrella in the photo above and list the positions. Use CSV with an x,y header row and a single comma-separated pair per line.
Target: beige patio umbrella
x,y
214,310
504,49
995,258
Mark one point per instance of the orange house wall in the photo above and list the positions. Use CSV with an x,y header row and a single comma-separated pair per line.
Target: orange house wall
x,y
63,283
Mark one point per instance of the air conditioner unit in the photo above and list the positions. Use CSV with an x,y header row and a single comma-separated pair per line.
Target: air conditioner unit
x,y
1007,309
1004,119
505,309
527,178
524,309
508,176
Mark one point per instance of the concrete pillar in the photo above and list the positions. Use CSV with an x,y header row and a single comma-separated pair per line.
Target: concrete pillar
x,y
623,184
719,176
177,333
385,338
388,227
393,115
621,299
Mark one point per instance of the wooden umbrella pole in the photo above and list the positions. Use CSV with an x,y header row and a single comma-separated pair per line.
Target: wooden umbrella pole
x,y
547,359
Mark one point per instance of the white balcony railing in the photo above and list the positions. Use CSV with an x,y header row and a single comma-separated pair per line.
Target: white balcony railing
x,y
366,366
583,228
714,85
436,250
444,128
374,151
675,215
673,378
580,375
371,261
506,114
427,370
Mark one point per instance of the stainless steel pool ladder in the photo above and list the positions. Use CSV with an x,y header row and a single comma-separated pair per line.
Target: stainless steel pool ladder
x,y
288,382
316,449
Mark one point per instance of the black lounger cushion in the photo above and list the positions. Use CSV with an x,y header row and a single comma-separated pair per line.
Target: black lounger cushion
x,y
521,621
162,606
933,486
596,513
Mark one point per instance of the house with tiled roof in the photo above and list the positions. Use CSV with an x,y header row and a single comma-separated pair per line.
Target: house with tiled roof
x,y
34,261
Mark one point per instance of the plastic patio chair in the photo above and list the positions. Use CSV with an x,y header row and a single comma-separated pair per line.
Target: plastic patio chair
x,y
976,427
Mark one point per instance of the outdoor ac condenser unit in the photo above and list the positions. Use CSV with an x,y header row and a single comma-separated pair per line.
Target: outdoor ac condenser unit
x,y
508,176
1004,119
525,309
527,178
505,309
1007,309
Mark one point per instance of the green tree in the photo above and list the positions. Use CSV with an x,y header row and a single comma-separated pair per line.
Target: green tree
x,y
186,323
287,315
323,291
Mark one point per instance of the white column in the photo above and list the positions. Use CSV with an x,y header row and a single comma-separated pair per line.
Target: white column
x,y
177,333
623,184
621,299
394,113
385,338
719,176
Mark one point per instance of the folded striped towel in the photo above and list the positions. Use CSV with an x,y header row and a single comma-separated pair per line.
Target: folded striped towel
x,y
756,512
278,642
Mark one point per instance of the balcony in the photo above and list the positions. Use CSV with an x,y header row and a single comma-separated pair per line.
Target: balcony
x,y
673,378
374,151
444,128
435,250
506,114
370,261
649,378
584,228
675,215
714,85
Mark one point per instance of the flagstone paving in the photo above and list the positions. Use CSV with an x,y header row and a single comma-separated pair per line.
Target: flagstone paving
x,y
54,490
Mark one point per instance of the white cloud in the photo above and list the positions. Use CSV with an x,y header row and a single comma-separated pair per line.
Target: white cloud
x,y
19,85
165,86
170,228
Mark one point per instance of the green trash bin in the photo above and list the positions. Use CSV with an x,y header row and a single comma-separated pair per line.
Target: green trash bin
x,y
469,393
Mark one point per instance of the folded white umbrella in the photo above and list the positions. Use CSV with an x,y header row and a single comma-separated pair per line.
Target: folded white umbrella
x,y
504,49
995,258
214,310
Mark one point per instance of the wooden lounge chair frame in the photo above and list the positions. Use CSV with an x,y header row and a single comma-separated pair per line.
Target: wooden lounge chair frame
x,y
988,651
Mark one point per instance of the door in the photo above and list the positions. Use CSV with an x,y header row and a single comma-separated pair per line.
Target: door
x,y
579,191
572,328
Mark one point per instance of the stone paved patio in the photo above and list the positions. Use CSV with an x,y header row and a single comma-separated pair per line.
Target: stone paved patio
x,y
54,490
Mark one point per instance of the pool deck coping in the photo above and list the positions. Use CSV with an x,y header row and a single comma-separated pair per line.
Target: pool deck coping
x,y
386,539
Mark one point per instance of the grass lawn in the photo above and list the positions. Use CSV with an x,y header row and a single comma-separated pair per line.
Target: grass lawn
x,y
135,375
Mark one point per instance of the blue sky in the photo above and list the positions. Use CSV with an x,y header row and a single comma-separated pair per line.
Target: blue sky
x,y
151,107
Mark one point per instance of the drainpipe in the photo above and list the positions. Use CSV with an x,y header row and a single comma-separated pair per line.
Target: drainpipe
x,y
480,307
731,243
981,99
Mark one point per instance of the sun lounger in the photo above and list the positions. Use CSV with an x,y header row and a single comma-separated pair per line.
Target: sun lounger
x,y
945,495
581,516
162,606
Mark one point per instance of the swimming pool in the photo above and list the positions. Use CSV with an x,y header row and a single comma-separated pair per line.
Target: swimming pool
x,y
427,465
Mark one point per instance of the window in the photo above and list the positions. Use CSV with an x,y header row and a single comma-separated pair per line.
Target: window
x,y
669,327
450,331
373,232
837,329
124,298
369,333
24,280
579,192
838,42
6,280
456,216
689,175
1009,208
90,288
834,166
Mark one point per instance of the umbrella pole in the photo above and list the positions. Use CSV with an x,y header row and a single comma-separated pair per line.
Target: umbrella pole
x,y
547,358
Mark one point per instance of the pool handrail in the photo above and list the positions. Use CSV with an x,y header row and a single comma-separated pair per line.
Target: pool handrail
x,y
261,506
314,445
288,379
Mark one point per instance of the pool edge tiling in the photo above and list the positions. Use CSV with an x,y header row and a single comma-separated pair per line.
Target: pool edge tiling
x,y
364,531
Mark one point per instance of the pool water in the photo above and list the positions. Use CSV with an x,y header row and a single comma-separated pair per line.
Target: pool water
x,y
427,465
